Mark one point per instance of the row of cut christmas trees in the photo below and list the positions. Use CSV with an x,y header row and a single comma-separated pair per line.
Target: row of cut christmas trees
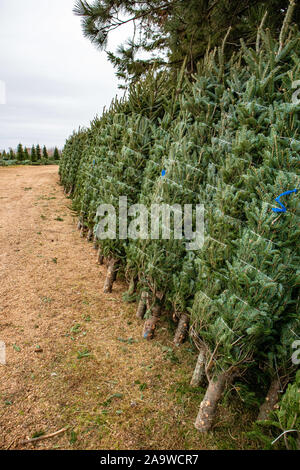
x,y
228,139
25,156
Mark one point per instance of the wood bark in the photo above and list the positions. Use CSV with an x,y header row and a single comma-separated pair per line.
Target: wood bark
x,y
90,235
41,438
142,306
199,372
208,407
270,401
70,191
100,257
95,243
182,329
82,232
111,275
150,324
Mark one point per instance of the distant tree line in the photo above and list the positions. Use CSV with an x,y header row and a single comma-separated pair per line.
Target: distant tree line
x,y
35,155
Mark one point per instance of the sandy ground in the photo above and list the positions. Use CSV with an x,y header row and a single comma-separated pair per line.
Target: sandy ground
x,y
51,301
75,357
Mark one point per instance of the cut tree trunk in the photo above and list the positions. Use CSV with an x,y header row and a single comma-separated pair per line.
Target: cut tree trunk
x,y
111,275
100,257
210,401
70,191
142,306
90,235
199,372
270,401
95,243
149,302
150,324
82,232
182,329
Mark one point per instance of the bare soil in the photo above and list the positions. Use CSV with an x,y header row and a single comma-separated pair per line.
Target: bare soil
x,y
75,356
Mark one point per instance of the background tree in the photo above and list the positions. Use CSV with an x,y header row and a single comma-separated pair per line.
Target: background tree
x,y
38,153
56,155
45,153
33,154
172,30
26,154
12,154
20,153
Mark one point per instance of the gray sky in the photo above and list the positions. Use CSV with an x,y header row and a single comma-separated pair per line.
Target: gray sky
x,y
55,79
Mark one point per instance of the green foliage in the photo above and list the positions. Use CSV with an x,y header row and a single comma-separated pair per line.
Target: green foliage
x,y
33,156
4,155
12,155
167,32
228,139
38,153
20,153
282,430
26,155
45,153
56,155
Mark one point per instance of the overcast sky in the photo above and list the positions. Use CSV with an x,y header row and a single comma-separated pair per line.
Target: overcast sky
x,y
55,79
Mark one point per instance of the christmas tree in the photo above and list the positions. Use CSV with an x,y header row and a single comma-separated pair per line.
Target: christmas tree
x,y
45,153
20,153
12,155
26,155
33,156
56,155
38,153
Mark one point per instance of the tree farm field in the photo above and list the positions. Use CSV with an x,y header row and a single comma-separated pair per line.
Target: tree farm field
x,y
75,357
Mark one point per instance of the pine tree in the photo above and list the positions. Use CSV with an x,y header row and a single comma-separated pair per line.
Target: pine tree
x,y
179,29
45,153
33,156
20,153
56,155
12,155
236,313
38,153
26,154
281,429
125,140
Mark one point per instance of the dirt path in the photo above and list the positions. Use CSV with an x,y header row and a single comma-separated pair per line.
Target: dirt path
x,y
75,357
